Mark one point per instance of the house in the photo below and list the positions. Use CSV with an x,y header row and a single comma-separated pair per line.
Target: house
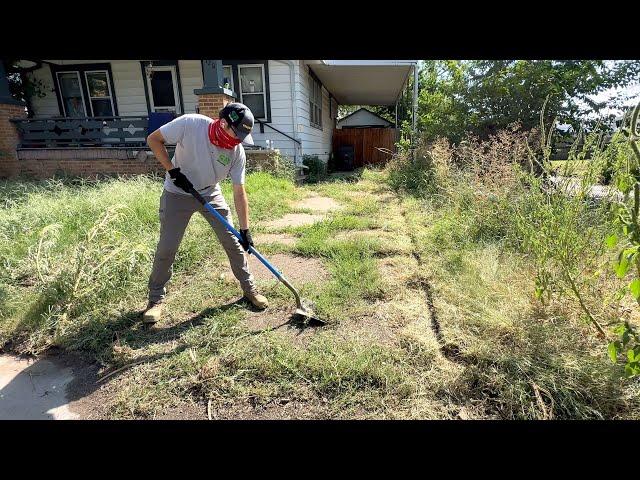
x,y
92,116
363,118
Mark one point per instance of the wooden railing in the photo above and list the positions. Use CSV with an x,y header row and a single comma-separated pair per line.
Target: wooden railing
x,y
62,132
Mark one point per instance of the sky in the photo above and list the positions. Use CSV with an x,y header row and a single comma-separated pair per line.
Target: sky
x,y
632,91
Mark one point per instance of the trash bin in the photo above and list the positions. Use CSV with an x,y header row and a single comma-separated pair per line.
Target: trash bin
x,y
346,154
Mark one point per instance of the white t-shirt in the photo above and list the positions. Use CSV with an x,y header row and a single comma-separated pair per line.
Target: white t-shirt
x,y
203,163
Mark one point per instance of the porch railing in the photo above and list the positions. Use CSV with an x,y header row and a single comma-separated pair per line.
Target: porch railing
x,y
63,132
102,132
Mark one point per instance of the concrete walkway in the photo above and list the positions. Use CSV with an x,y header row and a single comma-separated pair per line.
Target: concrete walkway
x,y
34,389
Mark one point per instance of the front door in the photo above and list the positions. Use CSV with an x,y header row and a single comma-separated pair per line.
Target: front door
x,y
162,85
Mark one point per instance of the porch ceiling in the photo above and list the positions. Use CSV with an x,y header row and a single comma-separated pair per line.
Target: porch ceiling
x,y
363,82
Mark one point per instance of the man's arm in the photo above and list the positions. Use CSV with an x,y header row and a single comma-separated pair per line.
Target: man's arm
x,y
156,144
242,206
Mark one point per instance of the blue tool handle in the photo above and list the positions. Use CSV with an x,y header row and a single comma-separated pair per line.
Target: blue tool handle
x,y
229,227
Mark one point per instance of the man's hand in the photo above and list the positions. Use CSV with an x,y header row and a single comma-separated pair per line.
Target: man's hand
x,y
180,180
246,240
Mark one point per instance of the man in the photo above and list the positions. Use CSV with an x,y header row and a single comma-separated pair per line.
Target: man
x,y
207,151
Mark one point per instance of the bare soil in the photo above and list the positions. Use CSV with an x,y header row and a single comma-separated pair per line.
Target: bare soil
x,y
295,268
282,409
319,204
294,220
281,238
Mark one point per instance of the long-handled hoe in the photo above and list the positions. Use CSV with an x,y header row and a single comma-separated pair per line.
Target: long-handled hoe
x,y
303,306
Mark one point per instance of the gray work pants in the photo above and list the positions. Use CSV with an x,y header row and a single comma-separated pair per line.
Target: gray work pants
x,y
175,212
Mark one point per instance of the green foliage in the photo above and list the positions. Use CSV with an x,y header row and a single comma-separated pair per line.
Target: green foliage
x,y
276,164
626,238
485,96
317,168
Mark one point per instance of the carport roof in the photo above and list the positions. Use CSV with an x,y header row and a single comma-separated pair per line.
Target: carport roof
x,y
363,82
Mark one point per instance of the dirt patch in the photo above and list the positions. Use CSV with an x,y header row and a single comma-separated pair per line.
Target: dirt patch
x,y
389,241
280,409
294,220
319,204
280,321
281,238
297,270
184,411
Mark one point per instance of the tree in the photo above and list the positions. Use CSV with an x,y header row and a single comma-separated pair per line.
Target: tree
x,y
442,111
22,86
483,96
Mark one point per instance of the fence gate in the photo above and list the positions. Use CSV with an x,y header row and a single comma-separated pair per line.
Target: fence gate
x,y
365,141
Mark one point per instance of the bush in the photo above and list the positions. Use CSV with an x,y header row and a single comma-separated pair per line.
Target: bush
x,y
317,168
498,190
275,163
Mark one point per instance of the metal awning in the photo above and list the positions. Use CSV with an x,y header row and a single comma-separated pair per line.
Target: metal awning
x,y
363,82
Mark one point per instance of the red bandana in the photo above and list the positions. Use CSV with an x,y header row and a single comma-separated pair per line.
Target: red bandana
x,y
220,138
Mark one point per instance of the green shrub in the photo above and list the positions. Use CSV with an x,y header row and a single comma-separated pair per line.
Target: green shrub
x,y
317,168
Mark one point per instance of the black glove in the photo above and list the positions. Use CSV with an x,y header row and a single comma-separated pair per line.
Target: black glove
x,y
246,240
180,180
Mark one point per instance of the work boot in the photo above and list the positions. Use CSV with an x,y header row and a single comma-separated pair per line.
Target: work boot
x,y
258,301
153,313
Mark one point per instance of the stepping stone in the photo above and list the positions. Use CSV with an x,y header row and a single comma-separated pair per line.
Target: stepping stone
x,y
294,220
319,204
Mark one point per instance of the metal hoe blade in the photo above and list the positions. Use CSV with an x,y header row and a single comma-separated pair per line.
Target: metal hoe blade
x,y
306,312
309,315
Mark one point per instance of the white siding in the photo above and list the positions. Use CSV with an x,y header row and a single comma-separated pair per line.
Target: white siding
x,y
48,105
128,82
281,114
314,140
131,100
190,79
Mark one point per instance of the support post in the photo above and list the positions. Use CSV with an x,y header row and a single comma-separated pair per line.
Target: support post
x,y
415,97
213,96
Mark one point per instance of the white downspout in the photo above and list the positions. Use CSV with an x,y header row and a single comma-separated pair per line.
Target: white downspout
x,y
294,106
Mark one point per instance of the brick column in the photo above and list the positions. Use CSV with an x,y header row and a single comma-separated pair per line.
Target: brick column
x,y
212,97
9,137
210,104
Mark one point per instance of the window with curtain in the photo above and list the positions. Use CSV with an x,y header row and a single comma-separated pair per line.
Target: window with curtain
x,y
100,96
252,89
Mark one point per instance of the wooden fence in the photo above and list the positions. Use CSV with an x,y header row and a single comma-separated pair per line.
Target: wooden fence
x,y
365,141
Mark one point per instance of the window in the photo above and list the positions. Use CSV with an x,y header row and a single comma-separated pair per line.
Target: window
x,y
100,96
71,94
85,90
252,89
315,103
228,77
249,80
162,88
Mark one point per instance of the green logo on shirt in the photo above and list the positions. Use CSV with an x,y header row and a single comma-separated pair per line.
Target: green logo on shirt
x,y
223,159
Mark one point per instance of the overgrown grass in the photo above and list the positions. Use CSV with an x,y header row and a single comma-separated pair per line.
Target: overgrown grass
x,y
513,356
76,253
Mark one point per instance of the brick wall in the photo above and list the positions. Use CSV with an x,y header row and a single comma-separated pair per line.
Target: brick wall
x,y
210,104
9,139
88,162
